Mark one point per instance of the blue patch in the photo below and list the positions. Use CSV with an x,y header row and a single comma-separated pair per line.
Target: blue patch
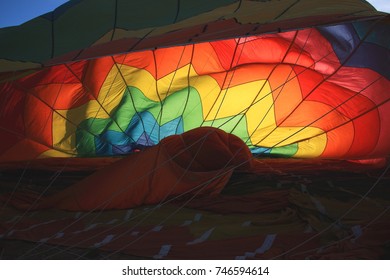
x,y
143,131
347,45
260,151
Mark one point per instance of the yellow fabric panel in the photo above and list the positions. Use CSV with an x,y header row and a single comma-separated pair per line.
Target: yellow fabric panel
x,y
146,83
282,136
142,80
54,153
312,147
238,99
64,137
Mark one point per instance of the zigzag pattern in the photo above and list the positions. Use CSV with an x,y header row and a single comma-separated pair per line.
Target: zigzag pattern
x,y
280,93
146,128
274,108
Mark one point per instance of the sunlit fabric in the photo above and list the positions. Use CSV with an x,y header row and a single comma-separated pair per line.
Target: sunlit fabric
x,y
318,92
226,129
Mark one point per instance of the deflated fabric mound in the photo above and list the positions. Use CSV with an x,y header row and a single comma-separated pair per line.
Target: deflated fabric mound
x,y
200,161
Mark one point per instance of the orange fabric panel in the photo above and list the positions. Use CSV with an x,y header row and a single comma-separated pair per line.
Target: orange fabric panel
x,y
286,92
171,59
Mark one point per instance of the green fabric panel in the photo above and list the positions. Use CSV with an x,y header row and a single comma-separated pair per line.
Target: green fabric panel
x,y
126,109
86,141
285,151
182,103
185,102
234,124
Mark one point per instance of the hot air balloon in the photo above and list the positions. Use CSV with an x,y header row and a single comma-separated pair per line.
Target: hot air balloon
x,y
187,109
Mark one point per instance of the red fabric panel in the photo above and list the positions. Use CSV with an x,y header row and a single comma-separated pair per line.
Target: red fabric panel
x,y
95,74
38,121
22,149
12,102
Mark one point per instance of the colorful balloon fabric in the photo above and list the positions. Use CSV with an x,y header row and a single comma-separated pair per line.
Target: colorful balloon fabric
x,y
229,129
317,92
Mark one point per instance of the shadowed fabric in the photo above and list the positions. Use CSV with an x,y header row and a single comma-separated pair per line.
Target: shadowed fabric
x,y
219,129
200,161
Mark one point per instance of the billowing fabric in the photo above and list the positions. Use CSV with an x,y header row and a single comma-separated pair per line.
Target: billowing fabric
x,y
183,110
318,92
